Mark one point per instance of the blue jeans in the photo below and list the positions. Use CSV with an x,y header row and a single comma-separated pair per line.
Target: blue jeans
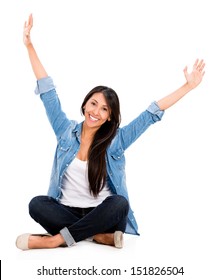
x,y
76,224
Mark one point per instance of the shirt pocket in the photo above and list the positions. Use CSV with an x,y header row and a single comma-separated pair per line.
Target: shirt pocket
x,y
62,148
117,154
118,158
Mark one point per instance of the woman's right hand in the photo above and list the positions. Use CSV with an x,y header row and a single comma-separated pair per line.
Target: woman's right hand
x,y
26,32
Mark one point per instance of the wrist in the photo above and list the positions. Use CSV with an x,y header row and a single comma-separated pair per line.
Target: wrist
x,y
188,86
29,45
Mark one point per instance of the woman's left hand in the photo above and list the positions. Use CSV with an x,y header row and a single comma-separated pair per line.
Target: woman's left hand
x,y
195,77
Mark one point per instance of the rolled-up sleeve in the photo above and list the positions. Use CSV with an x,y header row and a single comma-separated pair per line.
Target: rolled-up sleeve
x,y
155,110
44,85
46,90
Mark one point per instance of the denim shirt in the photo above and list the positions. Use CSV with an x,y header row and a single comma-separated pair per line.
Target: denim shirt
x,y
68,134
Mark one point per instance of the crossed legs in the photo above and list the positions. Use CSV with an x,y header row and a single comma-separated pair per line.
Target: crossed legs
x,y
69,225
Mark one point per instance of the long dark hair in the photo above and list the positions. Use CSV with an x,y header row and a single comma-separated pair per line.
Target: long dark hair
x,y
102,138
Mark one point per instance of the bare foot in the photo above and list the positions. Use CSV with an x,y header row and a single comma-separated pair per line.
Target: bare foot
x,y
113,239
40,242
105,238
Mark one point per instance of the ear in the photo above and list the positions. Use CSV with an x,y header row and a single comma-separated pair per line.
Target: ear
x,y
109,119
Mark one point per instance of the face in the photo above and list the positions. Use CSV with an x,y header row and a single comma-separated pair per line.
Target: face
x,y
96,111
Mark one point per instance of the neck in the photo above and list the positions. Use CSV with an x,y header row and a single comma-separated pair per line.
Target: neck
x,y
87,132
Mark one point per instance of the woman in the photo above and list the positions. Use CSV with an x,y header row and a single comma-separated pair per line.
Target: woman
x,y
87,197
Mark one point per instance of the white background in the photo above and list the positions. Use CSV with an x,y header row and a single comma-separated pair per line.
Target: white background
x,y
139,48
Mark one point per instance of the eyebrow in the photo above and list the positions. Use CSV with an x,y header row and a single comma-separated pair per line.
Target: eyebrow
x,y
97,102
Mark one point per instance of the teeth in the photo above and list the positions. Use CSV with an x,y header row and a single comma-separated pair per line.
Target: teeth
x,y
93,119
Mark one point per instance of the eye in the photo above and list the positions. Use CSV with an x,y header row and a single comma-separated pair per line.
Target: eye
x,y
105,109
93,103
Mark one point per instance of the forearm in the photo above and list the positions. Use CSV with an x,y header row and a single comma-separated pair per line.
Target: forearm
x,y
38,69
175,96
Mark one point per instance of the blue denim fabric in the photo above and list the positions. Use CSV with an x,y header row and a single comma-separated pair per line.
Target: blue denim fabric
x,y
68,142
76,224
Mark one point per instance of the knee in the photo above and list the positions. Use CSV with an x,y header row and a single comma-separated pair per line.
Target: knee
x,y
35,205
122,203
125,204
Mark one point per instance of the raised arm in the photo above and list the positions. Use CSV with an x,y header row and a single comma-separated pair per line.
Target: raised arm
x,y
193,79
36,64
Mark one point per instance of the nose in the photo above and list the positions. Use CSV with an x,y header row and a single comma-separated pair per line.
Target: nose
x,y
96,111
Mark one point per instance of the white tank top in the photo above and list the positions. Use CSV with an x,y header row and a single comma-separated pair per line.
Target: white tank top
x,y
75,187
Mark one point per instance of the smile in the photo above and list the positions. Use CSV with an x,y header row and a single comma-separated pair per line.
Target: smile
x,y
92,118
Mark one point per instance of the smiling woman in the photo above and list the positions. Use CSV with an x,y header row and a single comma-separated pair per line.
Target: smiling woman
x,y
87,196
97,107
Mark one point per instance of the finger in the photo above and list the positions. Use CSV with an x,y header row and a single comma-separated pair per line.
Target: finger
x,y
200,63
26,30
202,66
28,25
195,64
31,20
185,70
